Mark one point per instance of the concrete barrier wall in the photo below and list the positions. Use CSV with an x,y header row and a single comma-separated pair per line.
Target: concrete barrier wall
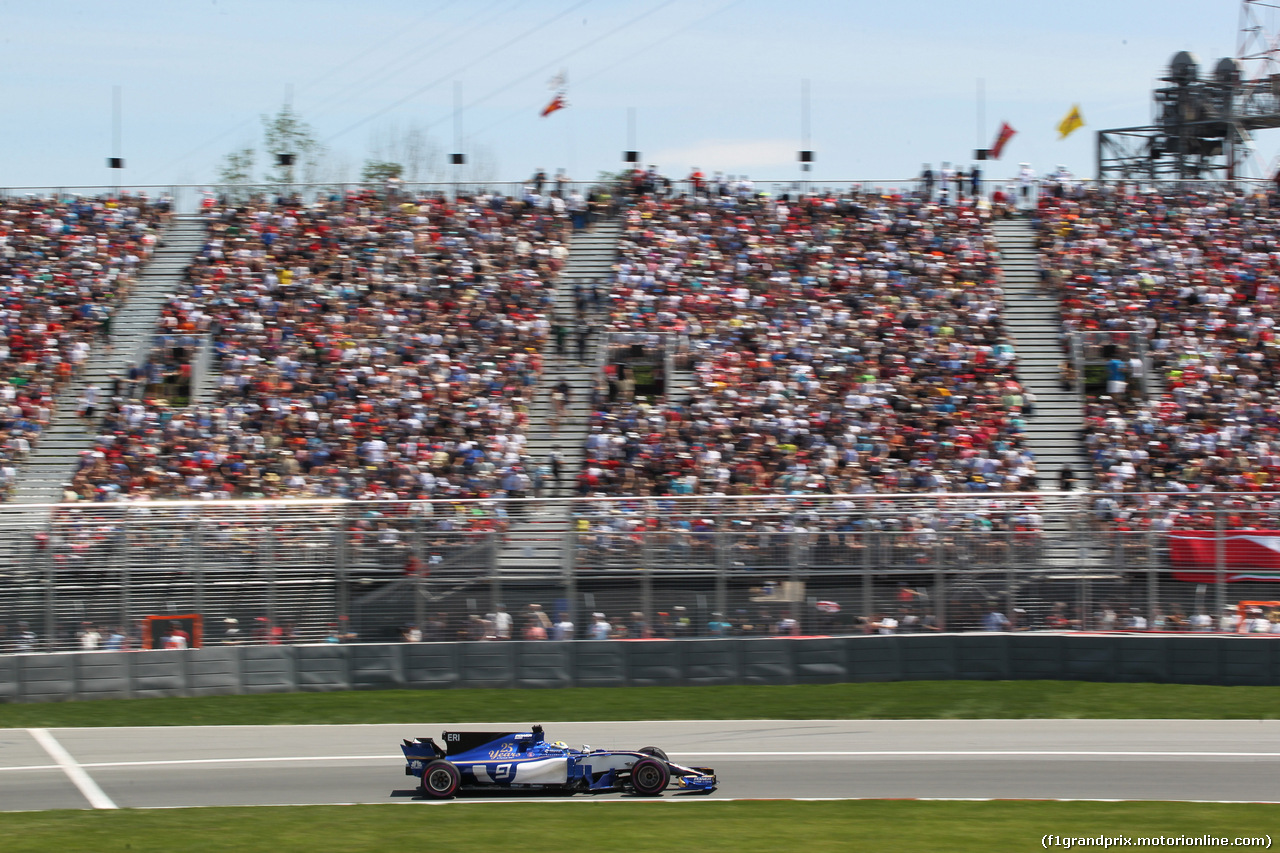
x,y
225,670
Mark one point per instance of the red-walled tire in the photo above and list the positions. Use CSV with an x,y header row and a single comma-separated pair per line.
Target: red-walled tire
x,y
440,779
650,777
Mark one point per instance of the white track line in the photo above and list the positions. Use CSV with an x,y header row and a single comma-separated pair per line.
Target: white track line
x,y
844,721
656,801
693,798
980,753
76,773
689,754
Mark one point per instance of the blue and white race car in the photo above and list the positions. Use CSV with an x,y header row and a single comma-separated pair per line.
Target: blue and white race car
x,y
477,761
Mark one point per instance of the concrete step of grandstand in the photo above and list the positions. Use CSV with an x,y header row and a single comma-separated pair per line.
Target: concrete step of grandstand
x,y
534,542
1032,319
52,461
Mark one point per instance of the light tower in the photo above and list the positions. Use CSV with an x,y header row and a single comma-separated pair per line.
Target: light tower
x,y
1204,124
1256,49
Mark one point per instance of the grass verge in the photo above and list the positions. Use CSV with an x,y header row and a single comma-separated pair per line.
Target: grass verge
x,y
894,700
702,825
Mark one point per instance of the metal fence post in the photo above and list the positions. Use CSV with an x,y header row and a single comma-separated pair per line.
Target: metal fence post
x,y
50,590
940,595
340,563
1010,575
126,568
722,587
569,563
269,557
197,563
420,579
793,575
868,579
646,578
722,554
1219,561
1086,604
495,573
1082,564
1153,578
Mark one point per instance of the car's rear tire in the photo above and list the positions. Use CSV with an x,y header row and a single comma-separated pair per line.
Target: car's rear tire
x,y
650,777
440,779
655,751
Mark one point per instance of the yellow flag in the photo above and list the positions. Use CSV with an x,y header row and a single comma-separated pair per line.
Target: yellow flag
x,y
1073,122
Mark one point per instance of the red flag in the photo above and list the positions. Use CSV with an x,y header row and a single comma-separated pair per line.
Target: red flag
x,y
1247,555
557,103
1002,138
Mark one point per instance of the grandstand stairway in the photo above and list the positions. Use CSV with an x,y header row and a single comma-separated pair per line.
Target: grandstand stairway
x,y
1033,319
535,539
133,327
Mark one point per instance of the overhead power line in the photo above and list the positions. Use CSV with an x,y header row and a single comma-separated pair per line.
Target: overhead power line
x,y
579,79
329,72
454,73
403,60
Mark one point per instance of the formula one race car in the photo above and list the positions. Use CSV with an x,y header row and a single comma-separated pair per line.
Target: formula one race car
x,y
476,761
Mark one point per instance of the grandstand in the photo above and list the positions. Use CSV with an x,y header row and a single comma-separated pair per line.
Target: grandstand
x,y
712,409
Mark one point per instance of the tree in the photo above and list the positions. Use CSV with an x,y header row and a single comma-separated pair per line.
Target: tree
x,y
237,167
379,171
412,148
613,179
287,134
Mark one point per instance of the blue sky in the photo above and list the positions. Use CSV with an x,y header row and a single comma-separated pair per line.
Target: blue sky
x,y
714,82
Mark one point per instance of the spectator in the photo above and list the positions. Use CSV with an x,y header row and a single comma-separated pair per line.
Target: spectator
x,y
995,621
25,641
533,629
502,623
563,628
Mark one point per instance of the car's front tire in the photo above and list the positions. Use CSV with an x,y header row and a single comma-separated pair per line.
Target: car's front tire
x,y
440,779
650,777
656,752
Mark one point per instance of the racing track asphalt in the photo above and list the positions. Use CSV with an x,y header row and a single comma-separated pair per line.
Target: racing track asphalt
x,y
272,765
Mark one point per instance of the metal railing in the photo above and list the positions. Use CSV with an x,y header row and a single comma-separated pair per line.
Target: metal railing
x,y
188,198
807,563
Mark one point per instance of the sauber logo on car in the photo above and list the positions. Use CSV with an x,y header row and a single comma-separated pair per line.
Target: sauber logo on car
x,y
507,751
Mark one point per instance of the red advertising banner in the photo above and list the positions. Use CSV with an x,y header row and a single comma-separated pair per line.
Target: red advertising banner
x,y
1247,555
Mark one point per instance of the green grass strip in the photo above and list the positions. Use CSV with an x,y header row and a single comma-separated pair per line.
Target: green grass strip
x,y
768,827
951,700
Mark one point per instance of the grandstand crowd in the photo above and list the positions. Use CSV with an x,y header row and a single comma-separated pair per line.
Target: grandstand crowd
x,y
1194,275
391,345
844,343
66,265
1176,290
365,348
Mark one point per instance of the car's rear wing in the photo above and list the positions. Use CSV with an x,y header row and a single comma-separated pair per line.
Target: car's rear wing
x,y
457,743
423,747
